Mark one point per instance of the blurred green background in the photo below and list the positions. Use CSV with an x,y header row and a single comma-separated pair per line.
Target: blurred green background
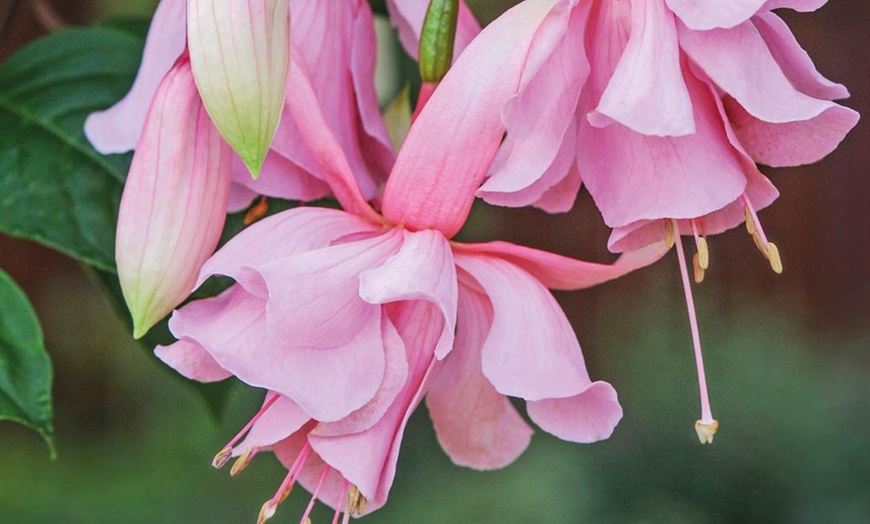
x,y
788,361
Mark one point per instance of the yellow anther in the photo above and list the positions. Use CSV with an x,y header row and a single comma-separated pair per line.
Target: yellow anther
x,y
242,462
669,233
750,223
699,271
773,256
703,253
356,503
706,431
267,511
223,456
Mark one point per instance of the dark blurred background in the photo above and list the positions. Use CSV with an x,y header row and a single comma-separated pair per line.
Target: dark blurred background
x,y
788,360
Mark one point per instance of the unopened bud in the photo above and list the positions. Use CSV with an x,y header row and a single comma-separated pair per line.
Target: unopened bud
x,y
436,39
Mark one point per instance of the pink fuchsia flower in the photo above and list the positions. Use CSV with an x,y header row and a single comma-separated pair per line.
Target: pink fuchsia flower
x,y
664,123
354,317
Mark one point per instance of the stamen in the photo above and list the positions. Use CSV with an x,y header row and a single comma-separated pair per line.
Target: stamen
x,y
699,271
224,454
338,507
767,248
244,459
669,233
703,250
356,503
269,507
256,212
707,422
310,507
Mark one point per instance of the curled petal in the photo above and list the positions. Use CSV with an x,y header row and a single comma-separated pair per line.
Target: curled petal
x,y
475,424
423,269
647,92
192,361
588,417
708,14
327,384
531,350
117,129
174,202
240,53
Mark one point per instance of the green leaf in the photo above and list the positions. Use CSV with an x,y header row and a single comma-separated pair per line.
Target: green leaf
x,y
25,369
54,187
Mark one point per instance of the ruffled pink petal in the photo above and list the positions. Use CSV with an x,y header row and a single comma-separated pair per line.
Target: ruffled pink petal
x,y
790,143
476,425
279,236
240,196
739,62
797,5
453,140
395,377
280,178
314,297
531,350
335,42
423,269
279,421
560,197
306,138
327,384
192,361
588,417
368,459
174,202
708,14
117,129
408,15
646,92
794,62
537,152
558,272
634,177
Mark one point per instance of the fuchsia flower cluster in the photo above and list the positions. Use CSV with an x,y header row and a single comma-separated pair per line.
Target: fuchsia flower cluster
x,y
348,319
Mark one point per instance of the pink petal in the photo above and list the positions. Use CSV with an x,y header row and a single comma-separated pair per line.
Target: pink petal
x,y
327,384
191,361
790,143
476,426
336,45
395,377
174,202
708,14
634,177
314,297
560,197
452,142
279,236
794,62
117,129
537,152
558,272
408,16
646,91
305,134
240,196
531,350
281,178
797,5
333,486
588,417
368,459
739,62
423,269
282,419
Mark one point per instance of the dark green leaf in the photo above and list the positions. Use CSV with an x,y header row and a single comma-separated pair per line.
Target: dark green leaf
x,y
54,187
25,369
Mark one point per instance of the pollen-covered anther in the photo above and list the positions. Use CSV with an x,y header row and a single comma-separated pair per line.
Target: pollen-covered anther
x,y
256,212
356,503
750,223
706,431
699,270
669,233
267,511
703,253
220,460
242,462
773,256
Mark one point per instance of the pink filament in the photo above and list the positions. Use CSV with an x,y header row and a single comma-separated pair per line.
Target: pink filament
x,y
292,474
752,212
342,499
706,413
314,495
253,421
